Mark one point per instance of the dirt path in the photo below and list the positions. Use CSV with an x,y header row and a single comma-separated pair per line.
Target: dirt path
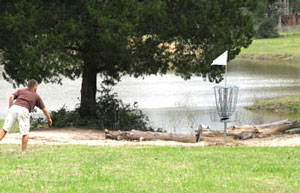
x,y
96,138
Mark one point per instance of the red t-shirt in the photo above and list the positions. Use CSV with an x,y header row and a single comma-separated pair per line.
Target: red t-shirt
x,y
28,99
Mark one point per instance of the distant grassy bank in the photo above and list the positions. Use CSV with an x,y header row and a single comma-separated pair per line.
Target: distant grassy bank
x,y
76,168
289,104
284,48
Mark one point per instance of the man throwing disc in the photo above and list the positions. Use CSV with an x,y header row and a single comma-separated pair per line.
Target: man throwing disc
x,y
21,104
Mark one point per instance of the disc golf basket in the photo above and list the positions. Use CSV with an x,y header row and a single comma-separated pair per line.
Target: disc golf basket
x,y
226,100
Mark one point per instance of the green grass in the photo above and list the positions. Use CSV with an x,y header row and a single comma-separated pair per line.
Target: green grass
x,y
149,169
290,29
15,128
289,104
286,47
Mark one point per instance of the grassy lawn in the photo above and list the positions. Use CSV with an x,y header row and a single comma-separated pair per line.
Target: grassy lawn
x,y
14,129
149,169
286,47
289,104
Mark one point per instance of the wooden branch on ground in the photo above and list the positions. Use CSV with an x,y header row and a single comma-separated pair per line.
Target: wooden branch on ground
x,y
135,135
265,130
238,132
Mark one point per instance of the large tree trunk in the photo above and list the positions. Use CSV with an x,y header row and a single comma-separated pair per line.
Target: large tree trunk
x,y
88,89
279,23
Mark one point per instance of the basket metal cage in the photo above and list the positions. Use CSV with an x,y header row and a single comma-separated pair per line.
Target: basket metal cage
x,y
226,100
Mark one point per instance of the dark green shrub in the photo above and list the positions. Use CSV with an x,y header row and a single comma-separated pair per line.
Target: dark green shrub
x,y
66,118
268,28
111,113
38,122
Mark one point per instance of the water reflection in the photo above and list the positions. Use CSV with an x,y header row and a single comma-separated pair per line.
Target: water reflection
x,y
183,120
179,106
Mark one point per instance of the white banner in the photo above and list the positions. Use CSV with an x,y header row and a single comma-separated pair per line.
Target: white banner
x,y
221,60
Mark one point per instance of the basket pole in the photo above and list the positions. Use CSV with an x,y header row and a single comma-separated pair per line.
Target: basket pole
x,y
225,131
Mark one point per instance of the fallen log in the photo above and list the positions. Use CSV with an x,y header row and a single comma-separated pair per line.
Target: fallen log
x,y
135,135
293,131
237,132
265,130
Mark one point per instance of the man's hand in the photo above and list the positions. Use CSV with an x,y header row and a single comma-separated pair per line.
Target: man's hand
x,y
45,111
50,122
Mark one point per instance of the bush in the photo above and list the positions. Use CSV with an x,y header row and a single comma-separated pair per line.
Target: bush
x,y
66,118
114,114
268,28
37,121
111,113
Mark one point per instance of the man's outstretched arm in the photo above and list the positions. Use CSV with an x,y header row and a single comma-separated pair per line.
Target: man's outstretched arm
x,y
45,111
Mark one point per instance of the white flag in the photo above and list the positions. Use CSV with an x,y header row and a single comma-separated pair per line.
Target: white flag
x,y
221,60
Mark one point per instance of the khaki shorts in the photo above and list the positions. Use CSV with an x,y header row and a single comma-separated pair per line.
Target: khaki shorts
x,y
20,114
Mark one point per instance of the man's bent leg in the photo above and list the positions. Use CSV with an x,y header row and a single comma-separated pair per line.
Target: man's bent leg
x,y
9,122
24,143
24,125
2,134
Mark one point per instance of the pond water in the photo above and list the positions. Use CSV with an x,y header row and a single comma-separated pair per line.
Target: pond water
x,y
180,106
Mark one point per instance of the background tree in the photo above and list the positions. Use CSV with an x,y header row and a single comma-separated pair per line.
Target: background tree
x,y
294,6
48,40
267,16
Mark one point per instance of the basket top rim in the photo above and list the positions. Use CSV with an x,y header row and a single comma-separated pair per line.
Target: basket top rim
x,y
227,86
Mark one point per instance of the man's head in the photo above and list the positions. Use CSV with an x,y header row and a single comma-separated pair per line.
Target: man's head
x,y
32,84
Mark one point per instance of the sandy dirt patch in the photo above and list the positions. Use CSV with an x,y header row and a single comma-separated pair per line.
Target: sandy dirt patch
x,y
97,138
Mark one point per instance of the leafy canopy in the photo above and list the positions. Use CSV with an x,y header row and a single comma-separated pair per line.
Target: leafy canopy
x,y
47,40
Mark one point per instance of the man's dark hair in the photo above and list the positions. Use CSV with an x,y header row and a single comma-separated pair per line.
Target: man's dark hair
x,y
31,83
